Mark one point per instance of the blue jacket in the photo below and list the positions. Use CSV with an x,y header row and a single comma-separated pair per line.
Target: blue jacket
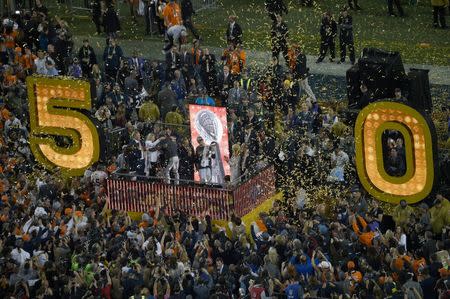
x,y
205,101
303,269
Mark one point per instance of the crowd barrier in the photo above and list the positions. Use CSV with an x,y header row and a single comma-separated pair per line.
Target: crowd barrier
x,y
220,203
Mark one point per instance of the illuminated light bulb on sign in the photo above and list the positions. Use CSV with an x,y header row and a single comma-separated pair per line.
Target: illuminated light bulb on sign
x,y
418,180
54,111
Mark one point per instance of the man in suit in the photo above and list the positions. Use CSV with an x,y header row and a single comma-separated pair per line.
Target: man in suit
x,y
87,57
222,269
112,57
328,31
279,36
187,10
137,64
135,153
346,36
251,140
224,83
166,99
234,31
235,95
300,71
187,63
173,62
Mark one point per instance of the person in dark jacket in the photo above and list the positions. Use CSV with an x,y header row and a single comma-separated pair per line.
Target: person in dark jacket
x,y
97,15
279,38
173,62
328,31
439,7
234,31
112,56
87,57
300,71
398,4
208,70
187,11
111,22
170,148
151,17
274,8
353,4
346,36
395,164
63,49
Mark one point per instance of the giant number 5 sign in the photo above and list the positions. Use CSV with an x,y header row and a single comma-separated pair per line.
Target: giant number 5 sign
x,y
417,182
56,110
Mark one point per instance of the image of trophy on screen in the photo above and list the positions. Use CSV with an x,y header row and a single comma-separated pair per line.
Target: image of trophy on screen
x,y
210,128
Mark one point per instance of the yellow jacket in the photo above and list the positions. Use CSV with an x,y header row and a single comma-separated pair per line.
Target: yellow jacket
x,y
149,112
174,118
401,215
439,2
440,216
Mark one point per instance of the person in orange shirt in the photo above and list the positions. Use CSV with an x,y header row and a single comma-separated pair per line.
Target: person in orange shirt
x,y
17,55
401,260
27,61
172,14
366,236
226,54
419,262
9,79
9,37
236,64
242,54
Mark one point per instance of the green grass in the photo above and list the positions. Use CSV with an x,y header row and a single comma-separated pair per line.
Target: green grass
x,y
372,27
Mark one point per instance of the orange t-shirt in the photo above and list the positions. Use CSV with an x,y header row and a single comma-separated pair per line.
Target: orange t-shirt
x,y
399,262
10,80
417,264
235,63
27,61
5,114
172,15
227,54
243,57
10,40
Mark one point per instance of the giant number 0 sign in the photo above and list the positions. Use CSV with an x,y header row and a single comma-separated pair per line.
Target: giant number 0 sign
x,y
56,107
417,131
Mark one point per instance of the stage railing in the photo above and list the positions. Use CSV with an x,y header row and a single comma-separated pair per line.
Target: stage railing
x,y
254,191
194,199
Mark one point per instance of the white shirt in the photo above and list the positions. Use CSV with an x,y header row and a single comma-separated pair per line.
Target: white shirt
x,y
231,28
20,256
175,32
152,154
402,241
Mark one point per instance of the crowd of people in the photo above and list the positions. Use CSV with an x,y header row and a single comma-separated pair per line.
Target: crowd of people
x,y
59,240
